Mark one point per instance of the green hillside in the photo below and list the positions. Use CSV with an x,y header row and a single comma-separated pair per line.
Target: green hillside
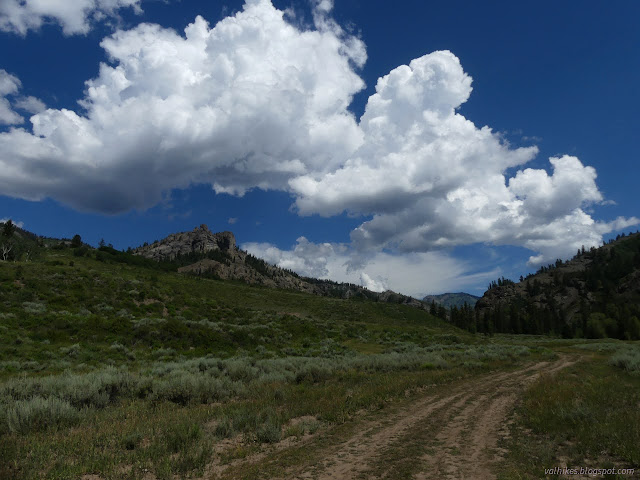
x,y
594,295
103,346
88,304
117,366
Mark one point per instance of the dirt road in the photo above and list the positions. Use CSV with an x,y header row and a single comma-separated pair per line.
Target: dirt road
x,y
449,435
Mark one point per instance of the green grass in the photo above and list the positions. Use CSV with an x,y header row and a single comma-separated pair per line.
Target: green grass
x,y
584,416
119,370
56,316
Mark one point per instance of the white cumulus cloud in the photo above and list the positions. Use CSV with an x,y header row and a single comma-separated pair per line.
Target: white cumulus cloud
x,y
251,102
10,85
255,101
432,179
415,274
74,16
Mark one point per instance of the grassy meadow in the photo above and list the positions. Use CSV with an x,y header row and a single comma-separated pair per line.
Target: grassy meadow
x,y
586,415
124,371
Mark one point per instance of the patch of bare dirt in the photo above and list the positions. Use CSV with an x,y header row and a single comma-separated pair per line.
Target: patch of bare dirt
x,y
457,431
237,446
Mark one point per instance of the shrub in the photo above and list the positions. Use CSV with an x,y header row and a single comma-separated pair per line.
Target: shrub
x,y
96,389
34,307
71,351
628,360
224,428
269,432
187,388
596,326
182,435
38,413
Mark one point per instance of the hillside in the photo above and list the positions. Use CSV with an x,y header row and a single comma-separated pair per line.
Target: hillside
x,y
595,294
216,255
176,375
159,366
449,300
95,300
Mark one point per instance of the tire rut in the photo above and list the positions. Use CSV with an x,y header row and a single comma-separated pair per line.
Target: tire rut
x,y
457,432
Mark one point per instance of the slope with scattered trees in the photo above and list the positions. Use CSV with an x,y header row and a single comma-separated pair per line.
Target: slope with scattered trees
x,y
594,295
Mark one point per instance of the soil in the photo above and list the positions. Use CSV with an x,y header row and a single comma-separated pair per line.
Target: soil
x,y
454,434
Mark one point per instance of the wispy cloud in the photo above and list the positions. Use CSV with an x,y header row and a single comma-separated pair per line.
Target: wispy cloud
x,y
74,16
415,274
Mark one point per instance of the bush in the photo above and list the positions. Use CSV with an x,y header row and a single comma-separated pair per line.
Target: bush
x,y
71,351
89,390
38,413
269,432
628,360
186,388
632,328
181,435
80,251
224,428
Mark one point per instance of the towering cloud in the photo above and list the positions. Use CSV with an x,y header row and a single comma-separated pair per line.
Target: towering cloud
x,y
255,101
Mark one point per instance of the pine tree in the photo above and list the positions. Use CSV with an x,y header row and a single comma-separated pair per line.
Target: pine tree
x,y
9,229
76,241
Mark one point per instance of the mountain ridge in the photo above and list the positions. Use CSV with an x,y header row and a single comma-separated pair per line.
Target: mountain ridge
x,y
451,299
201,252
595,294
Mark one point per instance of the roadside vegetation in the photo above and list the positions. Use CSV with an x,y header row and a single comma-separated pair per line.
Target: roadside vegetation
x,y
584,416
121,368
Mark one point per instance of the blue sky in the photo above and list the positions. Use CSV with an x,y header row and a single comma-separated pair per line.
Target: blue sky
x,y
422,147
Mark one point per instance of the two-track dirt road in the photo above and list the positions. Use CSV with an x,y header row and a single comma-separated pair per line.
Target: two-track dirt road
x,y
453,434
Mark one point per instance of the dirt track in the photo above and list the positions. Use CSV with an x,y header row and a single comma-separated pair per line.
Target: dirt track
x,y
450,435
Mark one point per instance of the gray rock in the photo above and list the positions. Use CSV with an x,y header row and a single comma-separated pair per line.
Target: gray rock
x,y
199,240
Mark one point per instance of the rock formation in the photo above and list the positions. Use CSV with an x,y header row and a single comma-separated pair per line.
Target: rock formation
x,y
199,240
216,255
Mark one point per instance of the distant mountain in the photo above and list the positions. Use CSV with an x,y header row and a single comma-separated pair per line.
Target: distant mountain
x,y
204,253
449,300
595,294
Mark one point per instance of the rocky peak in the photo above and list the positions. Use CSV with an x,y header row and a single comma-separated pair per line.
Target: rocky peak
x,y
199,240
236,264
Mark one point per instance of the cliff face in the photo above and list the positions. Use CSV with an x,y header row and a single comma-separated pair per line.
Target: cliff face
x,y
199,240
239,269
449,300
603,281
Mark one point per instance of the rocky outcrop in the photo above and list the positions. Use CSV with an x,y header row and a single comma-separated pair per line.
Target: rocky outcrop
x,y
271,276
568,286
199,240
234,264
449,300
